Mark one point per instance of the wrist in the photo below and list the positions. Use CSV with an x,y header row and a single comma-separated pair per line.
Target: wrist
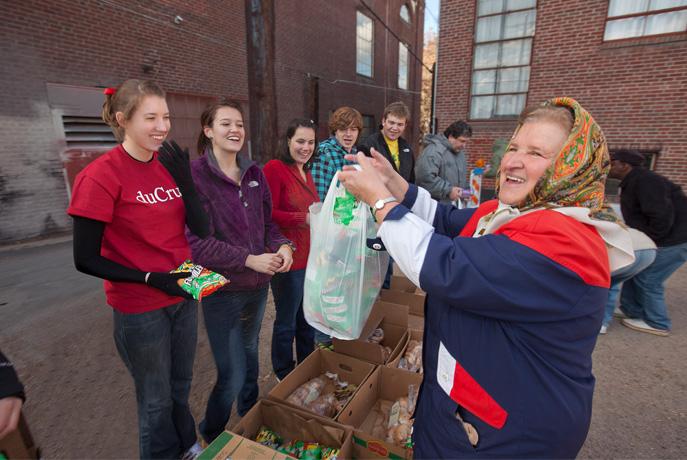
x,y
381,214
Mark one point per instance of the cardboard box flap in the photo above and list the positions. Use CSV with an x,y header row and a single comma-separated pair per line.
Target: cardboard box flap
x,y
414,302
348,369
403,284
290,424
394,312
381,389
393,319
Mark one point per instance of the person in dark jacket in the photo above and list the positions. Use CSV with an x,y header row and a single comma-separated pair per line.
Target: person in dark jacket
x,y
11,397
396,150
245,246
658,207
515,290
389,141
442,168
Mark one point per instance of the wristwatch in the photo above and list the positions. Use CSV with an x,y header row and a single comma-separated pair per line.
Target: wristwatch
x,y
379,204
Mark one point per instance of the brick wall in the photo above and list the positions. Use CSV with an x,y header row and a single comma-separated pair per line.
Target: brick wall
x,y
89,43
319,36
95,44
634,88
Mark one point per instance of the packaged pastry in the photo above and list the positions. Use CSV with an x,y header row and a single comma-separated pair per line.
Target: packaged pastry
x,y
307,393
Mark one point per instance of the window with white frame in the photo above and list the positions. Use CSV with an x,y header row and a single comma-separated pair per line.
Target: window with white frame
x,y
638,18
501,60
364,45
402,65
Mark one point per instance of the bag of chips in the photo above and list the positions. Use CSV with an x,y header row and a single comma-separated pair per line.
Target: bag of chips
x,y
201,282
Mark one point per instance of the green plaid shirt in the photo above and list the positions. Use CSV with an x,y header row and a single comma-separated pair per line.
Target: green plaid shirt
x,y
330,160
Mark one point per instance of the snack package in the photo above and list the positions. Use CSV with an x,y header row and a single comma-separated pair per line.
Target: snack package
x,y
307,393
311,451
268,438
376,336
202,282
399,427
412,359
330,453
325,405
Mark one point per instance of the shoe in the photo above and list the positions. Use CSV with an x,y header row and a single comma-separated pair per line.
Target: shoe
x,y
325,346
641,326
604,329
618,313
193,452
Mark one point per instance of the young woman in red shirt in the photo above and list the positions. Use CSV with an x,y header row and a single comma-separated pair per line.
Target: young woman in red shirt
x,y
293,191
129,214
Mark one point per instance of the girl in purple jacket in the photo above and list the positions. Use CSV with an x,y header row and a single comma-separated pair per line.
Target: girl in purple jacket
x,y
245,246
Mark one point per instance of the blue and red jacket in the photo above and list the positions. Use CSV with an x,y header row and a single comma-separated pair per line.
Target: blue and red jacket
x,y
511,320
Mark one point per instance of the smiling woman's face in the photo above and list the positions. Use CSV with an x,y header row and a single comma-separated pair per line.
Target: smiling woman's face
x,y
227,132
531,152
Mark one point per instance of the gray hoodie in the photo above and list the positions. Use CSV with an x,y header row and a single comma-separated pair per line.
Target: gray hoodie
x,y
439,168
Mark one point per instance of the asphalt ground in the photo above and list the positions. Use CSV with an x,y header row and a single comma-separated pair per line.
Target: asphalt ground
x,y
56,327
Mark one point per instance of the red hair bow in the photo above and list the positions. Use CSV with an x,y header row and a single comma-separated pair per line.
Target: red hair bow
x,y
109,91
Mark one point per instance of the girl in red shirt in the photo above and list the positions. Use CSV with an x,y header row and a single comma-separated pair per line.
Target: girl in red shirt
x,y
129,216
293,191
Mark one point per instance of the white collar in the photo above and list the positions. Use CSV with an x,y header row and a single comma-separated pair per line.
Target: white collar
x,y
616,237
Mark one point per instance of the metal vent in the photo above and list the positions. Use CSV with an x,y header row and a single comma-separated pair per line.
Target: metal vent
x,y
87,132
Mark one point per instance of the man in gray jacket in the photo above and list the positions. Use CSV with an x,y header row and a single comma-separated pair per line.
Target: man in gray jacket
x,y
442,167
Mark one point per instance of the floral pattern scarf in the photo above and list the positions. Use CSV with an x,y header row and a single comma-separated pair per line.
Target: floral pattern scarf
x,y
577,177
573,185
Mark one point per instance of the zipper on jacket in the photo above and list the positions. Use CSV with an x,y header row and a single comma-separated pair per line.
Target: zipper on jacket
x,y
250,234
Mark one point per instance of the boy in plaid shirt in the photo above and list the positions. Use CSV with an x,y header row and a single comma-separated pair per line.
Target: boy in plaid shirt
x,y
345,125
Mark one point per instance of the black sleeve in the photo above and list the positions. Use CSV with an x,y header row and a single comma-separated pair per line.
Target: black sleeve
x,y
364,146
9,382
656,206
196,218
88,237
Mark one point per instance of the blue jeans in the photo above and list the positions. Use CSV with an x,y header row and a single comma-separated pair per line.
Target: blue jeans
x,y
158,348
232,321
643,258
644,295
287,289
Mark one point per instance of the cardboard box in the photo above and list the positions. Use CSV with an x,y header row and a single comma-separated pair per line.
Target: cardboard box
x,y
415,302
412,335
19,443
393,319
349,369
380,390
231,445
416,323
289,423
403,284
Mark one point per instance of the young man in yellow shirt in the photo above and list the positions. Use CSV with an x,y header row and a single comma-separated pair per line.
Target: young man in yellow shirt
x,y
388,142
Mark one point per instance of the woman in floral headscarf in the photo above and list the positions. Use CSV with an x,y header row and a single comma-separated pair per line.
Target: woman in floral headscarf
x,y
515,290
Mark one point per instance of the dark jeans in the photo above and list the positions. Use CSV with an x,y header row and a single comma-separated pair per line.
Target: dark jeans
x,y
643,296
287,289
158,347
232,321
